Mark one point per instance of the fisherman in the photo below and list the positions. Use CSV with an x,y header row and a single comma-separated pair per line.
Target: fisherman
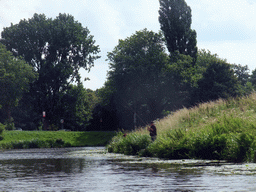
x,y
152,131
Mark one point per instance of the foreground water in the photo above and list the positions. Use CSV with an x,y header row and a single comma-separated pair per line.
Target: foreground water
x,y
93,169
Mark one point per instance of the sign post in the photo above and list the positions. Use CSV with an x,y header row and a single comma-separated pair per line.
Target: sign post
x,y
44,123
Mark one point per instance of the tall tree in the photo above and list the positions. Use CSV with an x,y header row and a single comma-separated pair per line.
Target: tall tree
x,y
137,77
175,22
15,76
57,49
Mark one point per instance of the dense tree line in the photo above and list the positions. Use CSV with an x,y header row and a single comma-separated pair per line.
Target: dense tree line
x,y
151,74
56,49
145,82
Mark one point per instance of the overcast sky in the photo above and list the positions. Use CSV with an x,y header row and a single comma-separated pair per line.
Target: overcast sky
x,y
225,27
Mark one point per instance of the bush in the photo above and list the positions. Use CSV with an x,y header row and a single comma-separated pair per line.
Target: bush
x,y
2,128
208,146
131,144
172,145
241,147
9,124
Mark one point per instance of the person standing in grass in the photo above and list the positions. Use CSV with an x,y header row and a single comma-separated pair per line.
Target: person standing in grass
x,y
152,131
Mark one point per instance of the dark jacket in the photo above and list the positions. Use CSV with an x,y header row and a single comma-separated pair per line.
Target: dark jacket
x,y
152,130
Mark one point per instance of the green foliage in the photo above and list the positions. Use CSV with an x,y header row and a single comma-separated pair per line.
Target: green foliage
x,y
245,86
253,78
9,124
49,139
132,144
15,76
56,49
223,131
175,22
2,128
242,73
218,81
173,145
138,78
104,115
40,127
183,73
78,104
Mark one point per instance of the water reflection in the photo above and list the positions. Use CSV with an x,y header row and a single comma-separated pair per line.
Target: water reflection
x,y
34,167
91,169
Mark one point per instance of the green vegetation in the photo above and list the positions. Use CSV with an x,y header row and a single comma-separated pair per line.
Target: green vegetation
x,y
150,76
49,139
55,49
15,77
222,130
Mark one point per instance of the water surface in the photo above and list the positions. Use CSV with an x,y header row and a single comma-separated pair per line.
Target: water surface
x,y
93,169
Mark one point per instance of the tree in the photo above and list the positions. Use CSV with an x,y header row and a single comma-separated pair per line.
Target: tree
x,y
253,77
175,22
15,76
77,106
242,73
137,77
243,77
218,81
105,116
182,77
57,49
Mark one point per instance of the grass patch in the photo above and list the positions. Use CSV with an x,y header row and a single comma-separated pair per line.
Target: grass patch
x,y
223,130
49,139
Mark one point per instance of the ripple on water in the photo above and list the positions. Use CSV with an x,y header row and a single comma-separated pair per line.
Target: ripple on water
x,y
93,169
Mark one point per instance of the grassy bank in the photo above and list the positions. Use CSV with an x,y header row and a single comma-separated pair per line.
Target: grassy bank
x,y
48,139
224,129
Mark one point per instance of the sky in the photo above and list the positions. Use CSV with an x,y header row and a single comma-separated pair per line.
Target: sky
x,y
227,28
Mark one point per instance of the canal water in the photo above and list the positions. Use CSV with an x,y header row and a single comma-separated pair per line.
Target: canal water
x,y
93,169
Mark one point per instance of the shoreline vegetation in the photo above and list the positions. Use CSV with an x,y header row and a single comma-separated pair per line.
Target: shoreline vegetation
x,y
53,139
217,130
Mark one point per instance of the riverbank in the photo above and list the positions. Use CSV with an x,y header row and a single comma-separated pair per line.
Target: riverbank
x,y
50,139
221,130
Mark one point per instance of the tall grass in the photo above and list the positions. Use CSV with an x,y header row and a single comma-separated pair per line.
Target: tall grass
x,y
223,129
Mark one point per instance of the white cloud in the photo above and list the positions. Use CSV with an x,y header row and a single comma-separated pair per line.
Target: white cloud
x,y
227,28
220,17
238,52
12,11
97,75
146,13
109,17
104,21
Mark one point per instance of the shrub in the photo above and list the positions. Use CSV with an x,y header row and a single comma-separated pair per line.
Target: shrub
x,y
241,147
208,146
9,124
131,144
2,128
172,145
